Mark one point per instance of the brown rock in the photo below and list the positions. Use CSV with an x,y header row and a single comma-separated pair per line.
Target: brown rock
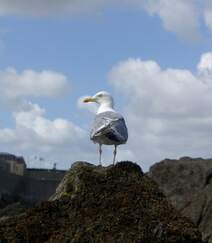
x,y
97,204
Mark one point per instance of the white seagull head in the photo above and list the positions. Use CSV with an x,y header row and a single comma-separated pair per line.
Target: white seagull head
x,y
104,99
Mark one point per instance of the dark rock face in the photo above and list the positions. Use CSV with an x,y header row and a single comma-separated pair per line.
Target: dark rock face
x,y
96,204
11,206
188,184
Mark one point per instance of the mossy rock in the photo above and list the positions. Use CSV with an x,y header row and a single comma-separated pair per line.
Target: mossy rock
x,y
103,204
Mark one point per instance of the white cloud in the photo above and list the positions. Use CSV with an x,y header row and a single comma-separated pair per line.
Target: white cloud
x,y
7,136
34,133
58,139
205,65
169,112
48,7
56,132
178,16
31,83
208,14
174,15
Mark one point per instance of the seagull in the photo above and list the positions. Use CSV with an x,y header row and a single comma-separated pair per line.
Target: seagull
x,y
109,127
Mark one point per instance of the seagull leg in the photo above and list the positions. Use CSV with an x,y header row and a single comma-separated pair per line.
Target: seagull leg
x,y
114,154
100,154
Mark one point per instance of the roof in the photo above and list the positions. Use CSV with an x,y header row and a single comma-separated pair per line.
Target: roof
x,y
8,156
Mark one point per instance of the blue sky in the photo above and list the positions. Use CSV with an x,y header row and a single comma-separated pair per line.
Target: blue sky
x,y
85,47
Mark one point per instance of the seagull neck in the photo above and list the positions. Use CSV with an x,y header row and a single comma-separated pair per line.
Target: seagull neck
x,y
105,107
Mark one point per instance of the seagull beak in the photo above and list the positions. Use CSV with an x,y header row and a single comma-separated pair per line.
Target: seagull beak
x,y
89,99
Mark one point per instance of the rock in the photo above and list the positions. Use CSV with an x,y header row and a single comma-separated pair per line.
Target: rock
x,y
11,205
187,183
14,209
103,204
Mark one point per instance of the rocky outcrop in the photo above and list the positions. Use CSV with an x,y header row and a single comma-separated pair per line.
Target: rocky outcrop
x,y
187,183
103,204
11,206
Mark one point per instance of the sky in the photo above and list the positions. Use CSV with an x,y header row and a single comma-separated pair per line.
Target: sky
x,y
153,56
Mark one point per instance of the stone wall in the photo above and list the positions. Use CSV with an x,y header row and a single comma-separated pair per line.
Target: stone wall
x,y
38,190
4,166
26,187
10,183
43,174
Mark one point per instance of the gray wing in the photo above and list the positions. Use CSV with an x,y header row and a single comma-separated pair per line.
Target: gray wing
x,y
111,125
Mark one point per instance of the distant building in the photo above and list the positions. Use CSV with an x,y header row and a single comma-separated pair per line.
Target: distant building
x,y
12,164
44,174
29,183
16,165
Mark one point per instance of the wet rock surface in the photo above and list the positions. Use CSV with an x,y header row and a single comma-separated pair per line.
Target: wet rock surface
x,y
187,183
103,204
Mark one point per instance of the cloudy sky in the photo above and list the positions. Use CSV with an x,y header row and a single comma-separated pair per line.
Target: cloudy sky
x,y
153,56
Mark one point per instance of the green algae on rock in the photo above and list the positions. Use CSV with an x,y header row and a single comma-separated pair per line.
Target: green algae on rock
x,y
103,204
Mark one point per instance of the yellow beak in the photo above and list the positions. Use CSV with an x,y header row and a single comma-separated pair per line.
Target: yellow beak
x,y
89,99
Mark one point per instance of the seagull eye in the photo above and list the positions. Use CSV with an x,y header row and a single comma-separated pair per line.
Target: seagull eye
x,y
100,95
